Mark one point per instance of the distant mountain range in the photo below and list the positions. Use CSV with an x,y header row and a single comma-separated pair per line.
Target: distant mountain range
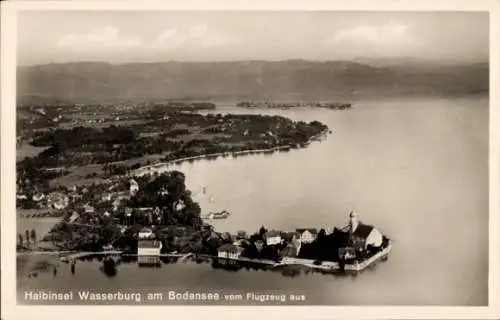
x,y
248,80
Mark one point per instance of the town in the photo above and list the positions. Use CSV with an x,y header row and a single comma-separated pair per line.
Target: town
x,y
155,215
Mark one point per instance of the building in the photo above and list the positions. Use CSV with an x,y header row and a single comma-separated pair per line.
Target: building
x,y
58,200
179,205
365,235
74,217
21,197
145,233
272,237
149,247
38,197
134,187
307,235
229,251
362,235
88,208
107,197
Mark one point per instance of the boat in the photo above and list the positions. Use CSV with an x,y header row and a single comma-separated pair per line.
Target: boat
x,y
219,215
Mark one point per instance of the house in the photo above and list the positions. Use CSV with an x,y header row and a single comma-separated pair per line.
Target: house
x,y
76,197
229,251
134,187
74,217
128,212
179,205
272,237
145,233
307,235
88,208
149,247
59,205
38,197
58,201
21,197
107,197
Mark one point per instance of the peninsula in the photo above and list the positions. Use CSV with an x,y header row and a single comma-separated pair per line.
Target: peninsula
x,y
84,144
155,215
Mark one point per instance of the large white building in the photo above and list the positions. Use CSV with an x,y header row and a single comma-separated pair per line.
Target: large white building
x,y
149,247
307,235
229,251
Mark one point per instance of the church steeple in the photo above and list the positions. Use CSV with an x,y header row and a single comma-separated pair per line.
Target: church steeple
x,y
353,221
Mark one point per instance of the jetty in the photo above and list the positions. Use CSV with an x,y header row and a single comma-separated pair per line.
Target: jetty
x,y
84,254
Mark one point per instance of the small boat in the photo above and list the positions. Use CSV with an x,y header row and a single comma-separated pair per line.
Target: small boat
x,y
219,215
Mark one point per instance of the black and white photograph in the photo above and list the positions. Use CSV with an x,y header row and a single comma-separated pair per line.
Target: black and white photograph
x,y
250,158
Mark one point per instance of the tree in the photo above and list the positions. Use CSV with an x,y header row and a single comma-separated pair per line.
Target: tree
x,y
27,236
262,231
33,236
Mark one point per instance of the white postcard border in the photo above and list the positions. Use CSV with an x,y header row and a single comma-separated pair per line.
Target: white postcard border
x,y
8,101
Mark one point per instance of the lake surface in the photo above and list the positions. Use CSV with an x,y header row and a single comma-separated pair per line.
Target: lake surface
x,y
416,169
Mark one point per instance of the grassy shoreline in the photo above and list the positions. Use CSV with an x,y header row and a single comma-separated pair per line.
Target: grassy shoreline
x,y
161,165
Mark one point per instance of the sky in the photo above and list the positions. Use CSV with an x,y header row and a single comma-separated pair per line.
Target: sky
x,y
147,36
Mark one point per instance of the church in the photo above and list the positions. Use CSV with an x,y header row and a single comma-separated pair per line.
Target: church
x,y
360,237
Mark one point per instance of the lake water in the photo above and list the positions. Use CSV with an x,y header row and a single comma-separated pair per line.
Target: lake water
x,y
415,168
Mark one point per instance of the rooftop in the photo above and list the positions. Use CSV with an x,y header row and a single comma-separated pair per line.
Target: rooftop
x,y
311,230
363,231
272,233
149,244
228,247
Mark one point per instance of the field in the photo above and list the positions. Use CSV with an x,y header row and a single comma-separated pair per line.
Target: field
x,y
41,225
27,150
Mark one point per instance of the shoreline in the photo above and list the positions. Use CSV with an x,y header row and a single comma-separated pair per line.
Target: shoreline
x,y
50,255
158,166
325,266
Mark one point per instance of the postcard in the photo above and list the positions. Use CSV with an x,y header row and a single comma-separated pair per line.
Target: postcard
x,y
315,160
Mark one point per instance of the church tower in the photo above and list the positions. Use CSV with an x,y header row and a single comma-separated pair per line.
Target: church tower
x,y
353,221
